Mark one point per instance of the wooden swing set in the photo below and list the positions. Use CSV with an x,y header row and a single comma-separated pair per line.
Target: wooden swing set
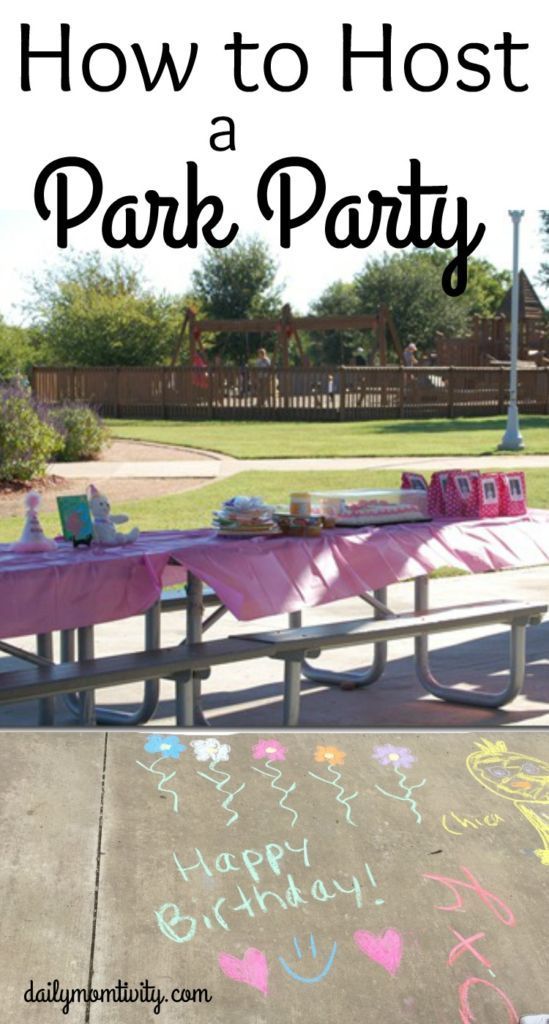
x,y
286,329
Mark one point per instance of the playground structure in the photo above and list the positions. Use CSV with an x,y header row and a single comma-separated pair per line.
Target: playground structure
x,y
285,329
469,378
490,340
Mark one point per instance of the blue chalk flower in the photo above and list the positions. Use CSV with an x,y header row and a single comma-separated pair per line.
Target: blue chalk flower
x,y
166,746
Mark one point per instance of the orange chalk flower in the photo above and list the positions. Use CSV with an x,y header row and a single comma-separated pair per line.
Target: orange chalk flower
x,y
329,755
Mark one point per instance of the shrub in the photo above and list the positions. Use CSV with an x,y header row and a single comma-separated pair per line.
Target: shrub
x,y
82,433
27,442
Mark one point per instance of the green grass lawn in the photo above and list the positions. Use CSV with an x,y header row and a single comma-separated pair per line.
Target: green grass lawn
x,y
194,508
258,440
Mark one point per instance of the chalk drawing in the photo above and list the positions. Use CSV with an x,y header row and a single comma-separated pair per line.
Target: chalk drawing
x,y
384,949
269,751
373,883
500,909
169,747
332,756
210,750
252,969
487,820
397,758
307,980
465,1012
466,945
517,777
215,752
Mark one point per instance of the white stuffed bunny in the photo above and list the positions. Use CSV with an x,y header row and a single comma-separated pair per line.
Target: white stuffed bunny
x,y
104,525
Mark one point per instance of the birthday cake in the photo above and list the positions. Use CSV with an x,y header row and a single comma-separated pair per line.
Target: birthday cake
x,y
375,508
367,513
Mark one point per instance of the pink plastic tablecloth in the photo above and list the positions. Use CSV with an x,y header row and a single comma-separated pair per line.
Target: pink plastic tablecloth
x,y
68,588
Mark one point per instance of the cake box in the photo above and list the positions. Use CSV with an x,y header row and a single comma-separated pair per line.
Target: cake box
x,y
371,507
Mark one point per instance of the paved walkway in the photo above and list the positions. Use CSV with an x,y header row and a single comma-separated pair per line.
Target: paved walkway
x,y
214,466
208,469
112,872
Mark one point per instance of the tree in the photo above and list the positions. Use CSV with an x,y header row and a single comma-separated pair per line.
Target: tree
x,y
335,347
544,269
237,283
16,351
409,284
89,313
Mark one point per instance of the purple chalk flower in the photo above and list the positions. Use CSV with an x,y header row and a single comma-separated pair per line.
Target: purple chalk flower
x,y
398,757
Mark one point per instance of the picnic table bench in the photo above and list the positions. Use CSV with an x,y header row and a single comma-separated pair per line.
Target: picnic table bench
x,y
251,579
291,645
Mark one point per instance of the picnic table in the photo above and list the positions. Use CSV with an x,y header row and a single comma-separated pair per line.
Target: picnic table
x,y
76,589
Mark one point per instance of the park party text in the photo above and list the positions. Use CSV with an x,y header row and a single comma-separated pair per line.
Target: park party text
x,y
472,70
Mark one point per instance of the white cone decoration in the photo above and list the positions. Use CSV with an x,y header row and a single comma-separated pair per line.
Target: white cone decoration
x,y
33,537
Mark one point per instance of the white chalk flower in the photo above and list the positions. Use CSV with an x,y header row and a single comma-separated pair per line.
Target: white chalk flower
x,y
210,750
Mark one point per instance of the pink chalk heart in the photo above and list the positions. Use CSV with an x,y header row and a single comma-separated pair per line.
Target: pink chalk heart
x,y
251,970
385,949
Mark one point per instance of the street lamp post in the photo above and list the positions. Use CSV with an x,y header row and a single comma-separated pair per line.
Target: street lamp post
x,y
512,439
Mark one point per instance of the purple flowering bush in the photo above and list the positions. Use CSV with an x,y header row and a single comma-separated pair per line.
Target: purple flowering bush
x,y
33,434
27,442
83,433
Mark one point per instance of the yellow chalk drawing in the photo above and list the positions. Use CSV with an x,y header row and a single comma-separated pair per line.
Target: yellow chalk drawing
x,y
517,777
486,821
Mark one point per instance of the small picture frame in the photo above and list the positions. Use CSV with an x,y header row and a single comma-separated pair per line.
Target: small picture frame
x,y
489,492
463,485
515,487
417,482
76,520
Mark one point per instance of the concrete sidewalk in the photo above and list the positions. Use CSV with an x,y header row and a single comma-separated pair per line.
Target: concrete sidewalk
x,y
396,880
213,467
249,695
208,470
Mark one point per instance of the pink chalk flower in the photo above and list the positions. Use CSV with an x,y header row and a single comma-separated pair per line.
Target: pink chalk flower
x,y
398,757
269,750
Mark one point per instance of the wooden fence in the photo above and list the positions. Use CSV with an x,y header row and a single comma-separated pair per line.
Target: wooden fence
x,y
327,393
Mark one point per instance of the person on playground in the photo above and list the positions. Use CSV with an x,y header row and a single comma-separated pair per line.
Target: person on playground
x,y
409,355
262,362
262,382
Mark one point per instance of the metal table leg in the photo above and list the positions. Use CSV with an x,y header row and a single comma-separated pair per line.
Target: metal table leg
x,y
517,663
360,677
85,653
68,654
188,686
83,710
67,646
151,692
292,680
46,705
115,716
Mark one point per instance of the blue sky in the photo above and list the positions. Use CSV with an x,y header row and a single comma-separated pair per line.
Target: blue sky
x,y
26,251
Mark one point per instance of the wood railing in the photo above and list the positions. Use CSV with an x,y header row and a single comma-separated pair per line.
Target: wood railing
x,y
326,393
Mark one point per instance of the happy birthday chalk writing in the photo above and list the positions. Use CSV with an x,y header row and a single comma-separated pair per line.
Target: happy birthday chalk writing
x,y
181,927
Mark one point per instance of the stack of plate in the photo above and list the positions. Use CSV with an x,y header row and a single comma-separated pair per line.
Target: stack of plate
x,y
245,517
